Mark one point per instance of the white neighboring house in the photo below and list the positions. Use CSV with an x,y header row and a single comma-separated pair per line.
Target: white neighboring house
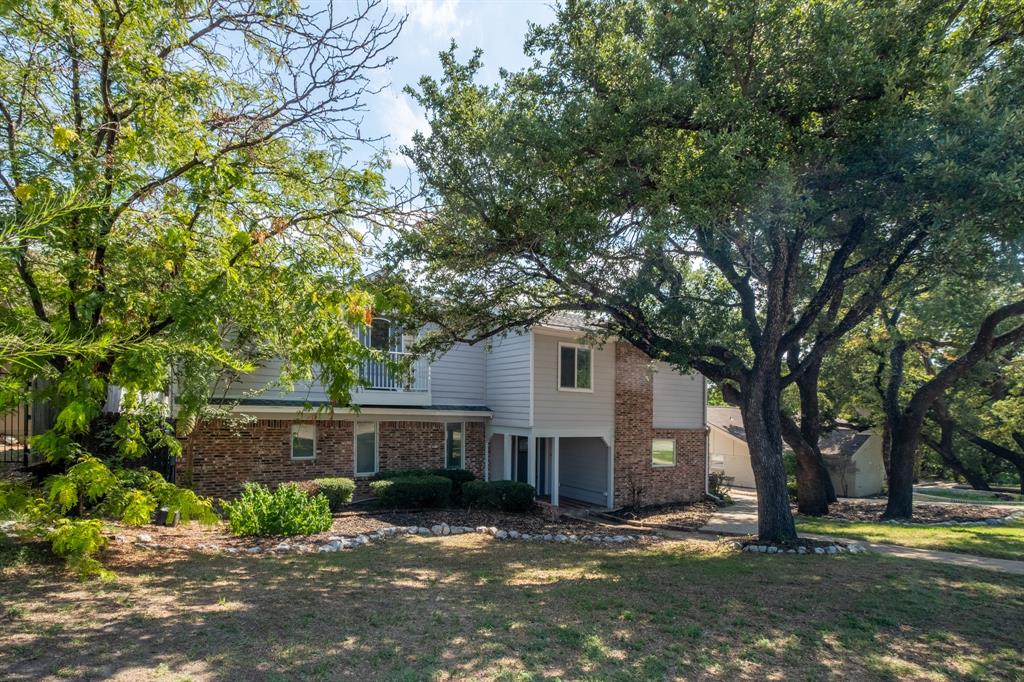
x,y
853,458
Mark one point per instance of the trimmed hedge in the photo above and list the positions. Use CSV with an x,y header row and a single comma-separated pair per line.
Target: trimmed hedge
x,y
458,477
407,491
338,491
507,496
286,511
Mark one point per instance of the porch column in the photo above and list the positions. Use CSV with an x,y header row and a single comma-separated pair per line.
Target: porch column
x,y
553,475
506,475
531,461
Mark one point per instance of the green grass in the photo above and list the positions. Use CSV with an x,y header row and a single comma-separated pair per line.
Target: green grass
x,y
1001,542
468,607
980,497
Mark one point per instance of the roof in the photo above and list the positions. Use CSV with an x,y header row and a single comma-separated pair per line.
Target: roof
x,y
840,442
729,420
568,320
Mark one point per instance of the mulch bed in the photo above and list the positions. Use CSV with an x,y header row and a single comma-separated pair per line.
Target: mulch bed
x,y
681,516
871,510
190,536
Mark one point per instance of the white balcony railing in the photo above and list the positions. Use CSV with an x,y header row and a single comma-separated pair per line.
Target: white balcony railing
x,y
379,376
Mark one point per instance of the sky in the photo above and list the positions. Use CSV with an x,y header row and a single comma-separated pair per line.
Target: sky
x,y
498,27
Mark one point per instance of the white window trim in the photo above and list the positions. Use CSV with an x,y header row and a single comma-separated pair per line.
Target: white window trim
x,y
663,466
355,450
291,441
462,426
558,375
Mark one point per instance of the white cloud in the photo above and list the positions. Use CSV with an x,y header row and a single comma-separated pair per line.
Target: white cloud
x,y
439,18
401,119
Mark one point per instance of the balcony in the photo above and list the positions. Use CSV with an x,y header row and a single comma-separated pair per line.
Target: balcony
x,y
380,377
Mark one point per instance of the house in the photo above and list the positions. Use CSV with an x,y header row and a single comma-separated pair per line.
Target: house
x,y
853,457
595,424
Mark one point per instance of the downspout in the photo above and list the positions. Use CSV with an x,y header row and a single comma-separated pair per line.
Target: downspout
x,y
707,440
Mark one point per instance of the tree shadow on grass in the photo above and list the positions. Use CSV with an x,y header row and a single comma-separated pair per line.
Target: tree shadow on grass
x,y
473,608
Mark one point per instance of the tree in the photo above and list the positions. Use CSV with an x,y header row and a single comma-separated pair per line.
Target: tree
x,y
176,197
715,184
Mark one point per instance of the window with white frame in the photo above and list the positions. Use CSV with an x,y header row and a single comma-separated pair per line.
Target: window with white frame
x,y
663,452
366,448
454,446
303,441
575,368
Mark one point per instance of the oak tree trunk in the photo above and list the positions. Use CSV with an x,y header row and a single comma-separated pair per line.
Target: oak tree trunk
x,y
762,424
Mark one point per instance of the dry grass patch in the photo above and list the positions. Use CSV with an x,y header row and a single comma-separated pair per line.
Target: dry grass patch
x,y
473,608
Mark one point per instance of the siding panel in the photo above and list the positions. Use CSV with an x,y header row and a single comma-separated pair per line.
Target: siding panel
x,y
678,399
458,377
508,380
573,409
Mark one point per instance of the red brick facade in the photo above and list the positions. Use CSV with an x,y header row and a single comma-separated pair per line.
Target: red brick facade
x,y
221,455
637,480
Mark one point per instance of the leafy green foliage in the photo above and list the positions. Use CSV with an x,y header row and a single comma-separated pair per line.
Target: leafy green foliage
x,y
78,541
338,491
286,511
413,491
458,478
507,496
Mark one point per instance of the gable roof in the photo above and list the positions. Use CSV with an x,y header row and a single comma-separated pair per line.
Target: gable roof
x,y
840,442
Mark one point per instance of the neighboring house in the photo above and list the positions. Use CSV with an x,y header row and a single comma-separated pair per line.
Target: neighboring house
x,y
853,458
594,424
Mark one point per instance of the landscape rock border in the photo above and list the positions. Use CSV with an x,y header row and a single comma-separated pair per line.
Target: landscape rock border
x,y
998,521
338,543
828,548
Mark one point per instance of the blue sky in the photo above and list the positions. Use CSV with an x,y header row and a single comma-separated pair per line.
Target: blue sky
x,y
496,26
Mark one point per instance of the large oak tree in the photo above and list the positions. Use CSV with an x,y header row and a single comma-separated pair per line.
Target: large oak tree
x,y
729,186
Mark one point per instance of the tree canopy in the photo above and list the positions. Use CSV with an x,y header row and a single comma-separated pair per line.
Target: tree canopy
x,y
724,185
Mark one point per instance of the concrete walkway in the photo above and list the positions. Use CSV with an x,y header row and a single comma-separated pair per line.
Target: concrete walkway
x,y
741,519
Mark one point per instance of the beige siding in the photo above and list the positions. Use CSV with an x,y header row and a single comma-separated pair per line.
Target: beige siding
x,y
678,399
458,376
731,456
583,470
572,409
508,380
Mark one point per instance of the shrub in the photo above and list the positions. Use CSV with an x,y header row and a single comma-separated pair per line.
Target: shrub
x,y
413,491
286,511
338,491
718,485
508,496
458,477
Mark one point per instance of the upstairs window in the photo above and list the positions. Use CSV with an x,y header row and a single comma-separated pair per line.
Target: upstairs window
x,y
575,368
454,446
303,441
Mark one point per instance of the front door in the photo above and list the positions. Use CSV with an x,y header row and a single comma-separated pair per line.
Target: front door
x,y
520,470
542,466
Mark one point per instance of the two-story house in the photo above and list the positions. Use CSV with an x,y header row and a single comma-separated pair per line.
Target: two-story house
x,y
594,424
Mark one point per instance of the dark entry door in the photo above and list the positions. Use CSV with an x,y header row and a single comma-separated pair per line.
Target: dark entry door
x,y
522,459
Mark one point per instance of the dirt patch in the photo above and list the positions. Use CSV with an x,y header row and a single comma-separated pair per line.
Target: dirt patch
x,y
192,536
680,516
871,510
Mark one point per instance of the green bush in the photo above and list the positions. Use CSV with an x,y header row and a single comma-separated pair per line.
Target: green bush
x,y
286,511
508,496
403,492
338,491
458,477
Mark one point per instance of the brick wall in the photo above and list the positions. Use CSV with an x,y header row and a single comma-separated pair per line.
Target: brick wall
x,y
222,455
635,475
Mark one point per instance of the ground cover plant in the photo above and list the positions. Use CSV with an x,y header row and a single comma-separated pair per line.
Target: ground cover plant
x,y
476,609
286,511
1001,542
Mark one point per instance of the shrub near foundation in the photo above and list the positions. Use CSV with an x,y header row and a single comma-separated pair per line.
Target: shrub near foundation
x,y
507,496
338,491
406,492
286,511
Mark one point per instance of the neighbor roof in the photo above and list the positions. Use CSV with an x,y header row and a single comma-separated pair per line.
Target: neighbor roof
x,y
840,442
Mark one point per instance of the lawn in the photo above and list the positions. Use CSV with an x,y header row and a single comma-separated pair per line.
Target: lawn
x,y
469,607
1002,542
970,498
